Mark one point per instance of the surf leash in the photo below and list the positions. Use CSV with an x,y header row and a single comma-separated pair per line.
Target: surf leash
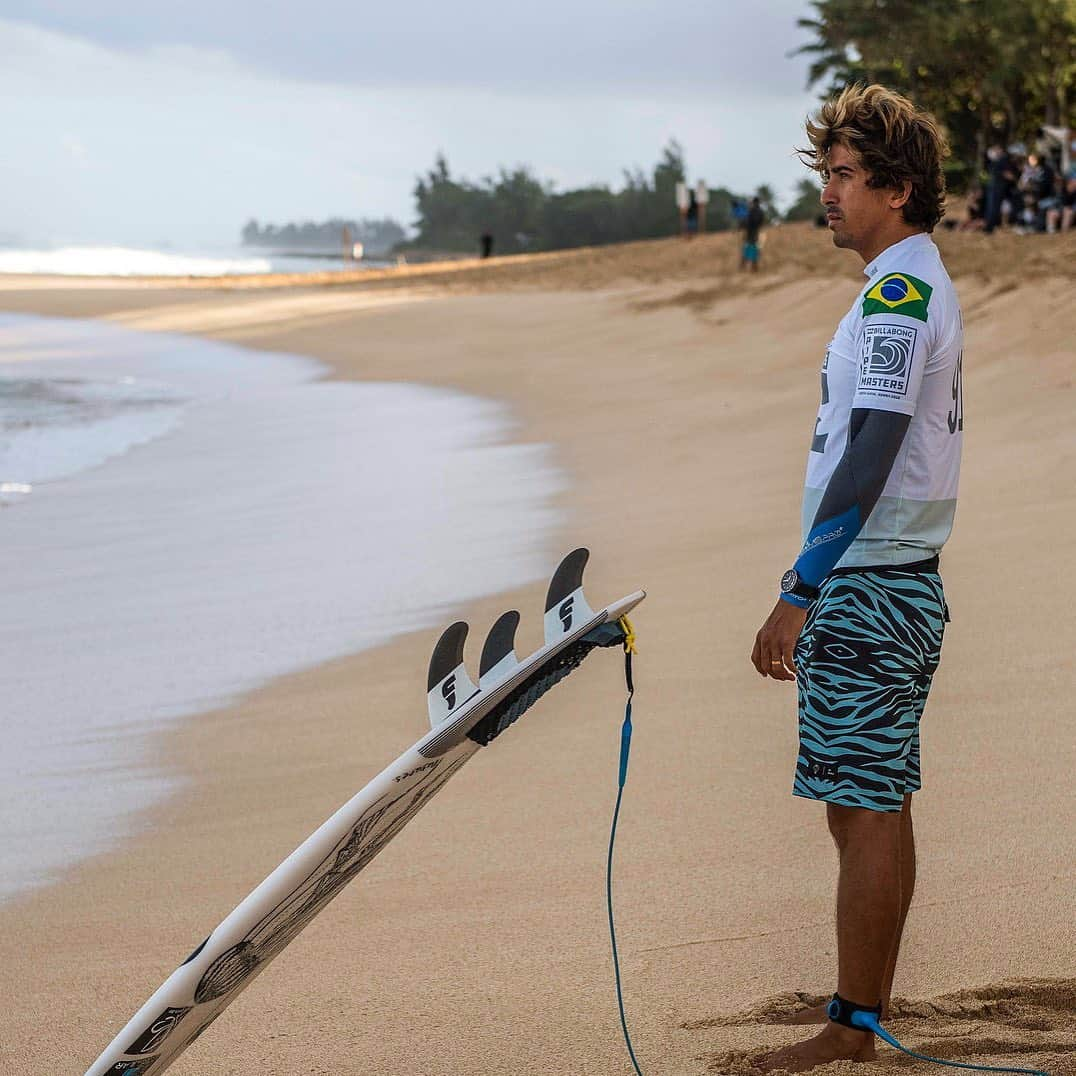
x,y
867,1020
852,1015
625,751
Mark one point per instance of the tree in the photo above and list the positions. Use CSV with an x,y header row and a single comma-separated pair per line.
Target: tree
x,y
987,69
807,204
522,213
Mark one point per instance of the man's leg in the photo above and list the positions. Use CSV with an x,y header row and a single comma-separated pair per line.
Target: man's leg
x,y
817,1014
869,916
868,898
907,888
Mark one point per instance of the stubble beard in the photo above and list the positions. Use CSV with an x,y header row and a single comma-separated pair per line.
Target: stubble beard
x,y
843,239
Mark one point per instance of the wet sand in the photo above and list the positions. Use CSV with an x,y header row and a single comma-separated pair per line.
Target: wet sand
x,y
679,397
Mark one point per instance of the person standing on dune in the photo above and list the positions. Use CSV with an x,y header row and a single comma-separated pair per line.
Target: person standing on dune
x,y
861,614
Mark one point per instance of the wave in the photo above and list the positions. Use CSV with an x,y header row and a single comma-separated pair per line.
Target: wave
x,y
141,261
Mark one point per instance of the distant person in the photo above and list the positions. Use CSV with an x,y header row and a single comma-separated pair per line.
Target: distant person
x,y
487,244
973,211
1001,177
691,216
752,227
1060,216
1038,182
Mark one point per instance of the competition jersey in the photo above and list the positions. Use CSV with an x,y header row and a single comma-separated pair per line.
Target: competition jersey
x,y
898,349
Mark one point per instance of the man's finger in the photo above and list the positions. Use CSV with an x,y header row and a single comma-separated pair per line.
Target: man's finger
x,y
772,657
756,654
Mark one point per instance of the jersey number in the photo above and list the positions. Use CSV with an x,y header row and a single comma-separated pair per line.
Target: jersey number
x,y
818,442
956,416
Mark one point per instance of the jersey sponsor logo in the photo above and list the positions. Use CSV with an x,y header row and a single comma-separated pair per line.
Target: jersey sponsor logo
x,y
898,293
886,360
822,539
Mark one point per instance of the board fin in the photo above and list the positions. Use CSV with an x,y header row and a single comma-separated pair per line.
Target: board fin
x,y
448,686
498,653
565,606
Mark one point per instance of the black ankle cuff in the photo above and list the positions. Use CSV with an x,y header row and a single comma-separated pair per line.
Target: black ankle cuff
x,y
840,1011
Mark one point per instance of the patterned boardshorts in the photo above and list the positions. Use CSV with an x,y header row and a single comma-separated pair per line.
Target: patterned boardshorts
x,y
864,663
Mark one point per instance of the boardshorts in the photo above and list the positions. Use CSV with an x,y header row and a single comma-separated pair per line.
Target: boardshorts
x,y
864,663
750,252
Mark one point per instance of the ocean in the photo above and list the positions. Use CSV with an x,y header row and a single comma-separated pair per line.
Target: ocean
x,y
183,520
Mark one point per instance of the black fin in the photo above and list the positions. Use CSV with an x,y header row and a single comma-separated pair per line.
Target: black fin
x,y
568,578
500,642
447,654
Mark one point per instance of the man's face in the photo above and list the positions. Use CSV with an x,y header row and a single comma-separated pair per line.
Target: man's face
x,y
855,212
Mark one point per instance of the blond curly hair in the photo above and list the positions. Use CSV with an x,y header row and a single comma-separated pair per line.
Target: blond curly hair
x,y
892,139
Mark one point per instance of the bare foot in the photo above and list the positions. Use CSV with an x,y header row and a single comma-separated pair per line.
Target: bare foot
x,y
816,1014
833,1043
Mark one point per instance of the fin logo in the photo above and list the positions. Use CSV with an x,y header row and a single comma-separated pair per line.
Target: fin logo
x,y
158,1031
898,293
565,613
448,691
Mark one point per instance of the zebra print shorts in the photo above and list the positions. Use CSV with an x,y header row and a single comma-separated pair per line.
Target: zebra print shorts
x,y
864,663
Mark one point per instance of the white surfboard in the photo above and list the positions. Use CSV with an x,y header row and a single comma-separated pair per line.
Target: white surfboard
x,y
463,717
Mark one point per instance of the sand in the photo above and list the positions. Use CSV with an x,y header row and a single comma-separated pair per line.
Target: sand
x,y
680,398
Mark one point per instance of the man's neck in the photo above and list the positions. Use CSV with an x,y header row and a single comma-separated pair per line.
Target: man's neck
x,y
876,244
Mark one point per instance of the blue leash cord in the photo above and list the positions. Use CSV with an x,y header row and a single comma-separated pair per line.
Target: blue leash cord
x,y
869,1022
625,750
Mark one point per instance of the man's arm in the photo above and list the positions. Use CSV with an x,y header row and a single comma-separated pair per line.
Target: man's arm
x,y
874,439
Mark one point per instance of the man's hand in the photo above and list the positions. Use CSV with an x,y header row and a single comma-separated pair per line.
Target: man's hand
x,y
772,655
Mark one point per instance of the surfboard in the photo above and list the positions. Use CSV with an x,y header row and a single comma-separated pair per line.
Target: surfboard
x,y
464,717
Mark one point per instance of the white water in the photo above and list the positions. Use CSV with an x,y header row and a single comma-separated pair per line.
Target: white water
x,y
139,261
200,518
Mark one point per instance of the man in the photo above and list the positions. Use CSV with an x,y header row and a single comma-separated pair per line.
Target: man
x,y
752,226
861,614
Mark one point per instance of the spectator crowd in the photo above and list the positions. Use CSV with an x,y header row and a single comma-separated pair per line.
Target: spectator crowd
x,y
1027,191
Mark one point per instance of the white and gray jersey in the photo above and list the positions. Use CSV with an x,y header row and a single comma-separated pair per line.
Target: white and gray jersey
x,y
898,349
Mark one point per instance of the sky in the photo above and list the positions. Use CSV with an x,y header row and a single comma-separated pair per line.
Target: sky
x,y
148,124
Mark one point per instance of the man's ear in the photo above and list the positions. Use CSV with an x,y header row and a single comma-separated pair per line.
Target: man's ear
x,y
899,198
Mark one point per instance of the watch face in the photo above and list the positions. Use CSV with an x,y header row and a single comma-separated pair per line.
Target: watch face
x,y
789,581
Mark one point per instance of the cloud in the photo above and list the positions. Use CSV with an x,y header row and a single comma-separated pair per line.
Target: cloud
x,y
172,140
645,48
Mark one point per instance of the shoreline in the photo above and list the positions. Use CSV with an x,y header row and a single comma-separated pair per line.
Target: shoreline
x,y
682,484
242,492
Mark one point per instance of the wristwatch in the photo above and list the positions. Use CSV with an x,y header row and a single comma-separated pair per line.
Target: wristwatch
x,y
791,583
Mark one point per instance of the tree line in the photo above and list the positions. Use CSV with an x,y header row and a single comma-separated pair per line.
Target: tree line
x,y
522,213
989,70
377,236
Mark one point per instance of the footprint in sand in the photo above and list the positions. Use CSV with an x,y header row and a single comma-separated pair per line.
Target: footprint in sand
x,y
1029,1023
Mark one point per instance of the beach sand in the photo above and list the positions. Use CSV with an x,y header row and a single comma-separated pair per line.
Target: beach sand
x,y
679,397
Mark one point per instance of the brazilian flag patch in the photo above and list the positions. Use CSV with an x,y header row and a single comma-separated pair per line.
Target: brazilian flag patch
x,y
898,293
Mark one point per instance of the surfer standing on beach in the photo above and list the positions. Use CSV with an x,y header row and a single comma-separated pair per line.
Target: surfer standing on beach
x,y
861,614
